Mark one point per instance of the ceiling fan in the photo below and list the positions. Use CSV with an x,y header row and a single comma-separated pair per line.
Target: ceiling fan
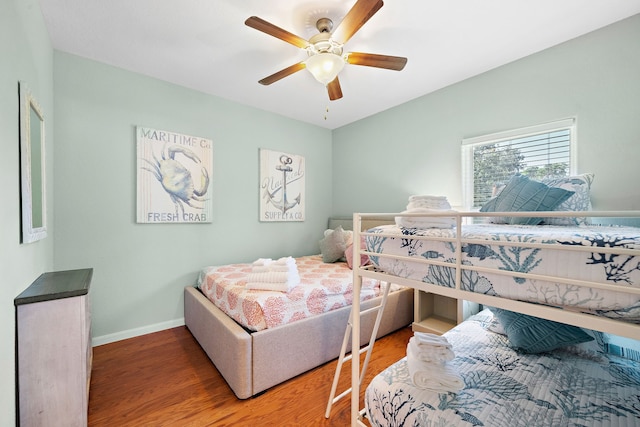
x,y
326,58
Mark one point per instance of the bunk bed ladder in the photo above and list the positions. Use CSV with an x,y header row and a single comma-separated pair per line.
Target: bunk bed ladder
x,y
343,358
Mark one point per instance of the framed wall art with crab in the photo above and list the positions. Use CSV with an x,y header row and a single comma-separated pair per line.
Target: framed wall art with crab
x,y
174,177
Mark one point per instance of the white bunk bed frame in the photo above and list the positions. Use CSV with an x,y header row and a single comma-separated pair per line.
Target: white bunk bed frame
x,y
602,324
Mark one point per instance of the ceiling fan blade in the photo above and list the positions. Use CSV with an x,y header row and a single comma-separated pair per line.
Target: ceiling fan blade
x,y
396,63
334,89
360,13
282,73
275,31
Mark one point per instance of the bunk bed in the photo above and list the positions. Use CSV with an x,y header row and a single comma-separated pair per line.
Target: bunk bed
x,y
589,276
254,355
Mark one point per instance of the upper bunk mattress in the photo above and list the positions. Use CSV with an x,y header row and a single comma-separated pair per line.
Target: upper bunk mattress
x,y
505,388
323,287
555,259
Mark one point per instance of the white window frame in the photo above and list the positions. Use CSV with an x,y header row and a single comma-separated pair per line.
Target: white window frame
x,y
469,143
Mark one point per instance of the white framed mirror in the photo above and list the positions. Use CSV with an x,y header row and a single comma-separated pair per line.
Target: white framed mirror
x,y
32,167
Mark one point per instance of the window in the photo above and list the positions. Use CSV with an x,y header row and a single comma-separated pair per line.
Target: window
x,y
538,151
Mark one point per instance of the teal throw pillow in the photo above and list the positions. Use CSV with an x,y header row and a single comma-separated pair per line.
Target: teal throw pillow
x,y
525,195
531,334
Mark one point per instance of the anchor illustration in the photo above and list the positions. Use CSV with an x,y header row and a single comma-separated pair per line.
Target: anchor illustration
x,y
283,204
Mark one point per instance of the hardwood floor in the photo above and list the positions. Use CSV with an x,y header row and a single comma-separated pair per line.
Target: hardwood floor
x,y
166,379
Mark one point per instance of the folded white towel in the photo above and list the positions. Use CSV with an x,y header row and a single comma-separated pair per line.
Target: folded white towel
x,y
288,261
431,354
420,197
273,277
431,340
439,377
426,221
419,205
274,267
429,204
265,265
283,281
281,287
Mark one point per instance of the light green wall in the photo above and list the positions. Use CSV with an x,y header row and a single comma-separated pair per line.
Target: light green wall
x,y
141,269
25,54
415,148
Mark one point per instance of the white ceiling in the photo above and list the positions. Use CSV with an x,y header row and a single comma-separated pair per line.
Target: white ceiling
x,y
204,45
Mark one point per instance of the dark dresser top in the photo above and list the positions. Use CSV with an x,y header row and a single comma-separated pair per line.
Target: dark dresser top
x,y
56,285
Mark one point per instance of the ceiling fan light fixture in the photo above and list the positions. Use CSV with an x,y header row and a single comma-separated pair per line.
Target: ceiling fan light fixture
x,y
326,58
325,66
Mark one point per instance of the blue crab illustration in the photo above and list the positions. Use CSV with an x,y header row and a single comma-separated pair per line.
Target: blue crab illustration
x,y
176,179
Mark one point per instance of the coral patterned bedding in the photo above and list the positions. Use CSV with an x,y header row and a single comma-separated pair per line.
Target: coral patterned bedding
x,y
491,250
323,287
507,388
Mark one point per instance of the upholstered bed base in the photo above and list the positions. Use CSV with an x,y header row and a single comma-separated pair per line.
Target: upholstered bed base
x,y
254,362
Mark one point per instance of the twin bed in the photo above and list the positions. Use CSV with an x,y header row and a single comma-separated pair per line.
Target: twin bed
x,y
525,370
258,339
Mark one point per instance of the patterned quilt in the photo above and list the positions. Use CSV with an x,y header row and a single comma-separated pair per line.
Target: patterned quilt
x,y
490,250
505,388
323,287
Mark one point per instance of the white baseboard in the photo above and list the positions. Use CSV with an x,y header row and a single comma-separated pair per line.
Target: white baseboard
x,y
130,333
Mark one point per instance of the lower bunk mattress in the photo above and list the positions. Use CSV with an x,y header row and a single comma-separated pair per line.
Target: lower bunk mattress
x,y
558,261
572,386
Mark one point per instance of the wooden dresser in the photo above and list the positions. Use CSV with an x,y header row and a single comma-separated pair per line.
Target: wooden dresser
x,y
53,327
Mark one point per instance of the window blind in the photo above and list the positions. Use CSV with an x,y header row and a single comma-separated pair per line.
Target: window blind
x,y
489,161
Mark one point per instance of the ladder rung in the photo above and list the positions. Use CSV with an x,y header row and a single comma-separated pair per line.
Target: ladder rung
x,y
363,414
369,310
341,395
363,312
364,349
349,356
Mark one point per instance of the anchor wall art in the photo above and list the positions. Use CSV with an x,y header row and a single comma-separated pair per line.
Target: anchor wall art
x,y
174,177
281,186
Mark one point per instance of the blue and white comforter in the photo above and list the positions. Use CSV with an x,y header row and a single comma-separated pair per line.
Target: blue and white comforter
x,y
505,388
622,271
